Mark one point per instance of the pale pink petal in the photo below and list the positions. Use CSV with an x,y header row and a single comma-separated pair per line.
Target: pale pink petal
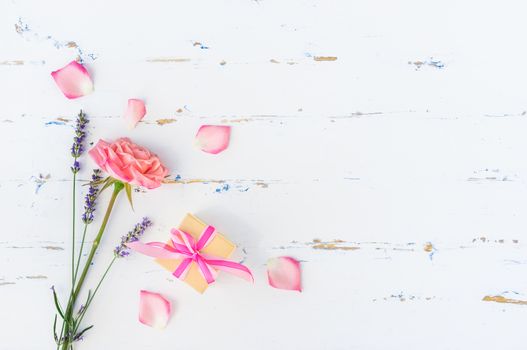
x,y
73,80
284,273
154,309
135,111
213,138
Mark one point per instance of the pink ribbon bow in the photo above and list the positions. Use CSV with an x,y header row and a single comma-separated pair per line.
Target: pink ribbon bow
x,y
186,248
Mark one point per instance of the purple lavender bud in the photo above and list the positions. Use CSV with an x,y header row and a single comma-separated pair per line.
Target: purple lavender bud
x,y
139,229
91,197
80,134
75,167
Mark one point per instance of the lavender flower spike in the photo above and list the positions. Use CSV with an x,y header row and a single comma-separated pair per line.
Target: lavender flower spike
x,y
80,134
139,229
91,197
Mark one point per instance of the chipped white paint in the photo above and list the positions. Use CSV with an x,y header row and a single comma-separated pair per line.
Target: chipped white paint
x,y
382,143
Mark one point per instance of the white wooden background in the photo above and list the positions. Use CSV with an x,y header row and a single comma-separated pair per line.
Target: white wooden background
x,y
382,143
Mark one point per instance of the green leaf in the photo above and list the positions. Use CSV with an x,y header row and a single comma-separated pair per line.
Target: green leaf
x,y
79,335
107,183
128,189
55,330
57,304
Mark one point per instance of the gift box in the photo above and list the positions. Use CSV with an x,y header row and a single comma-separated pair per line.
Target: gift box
x,y
219,246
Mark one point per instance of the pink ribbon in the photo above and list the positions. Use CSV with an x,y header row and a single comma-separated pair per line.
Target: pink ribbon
x,y
186,248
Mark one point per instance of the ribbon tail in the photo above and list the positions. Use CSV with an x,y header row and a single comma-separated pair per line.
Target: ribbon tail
x,y
232,268
155,250
205,270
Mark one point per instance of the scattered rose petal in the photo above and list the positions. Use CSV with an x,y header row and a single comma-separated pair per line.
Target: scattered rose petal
x,y
213,138
284,273
134,112
154,309
73,80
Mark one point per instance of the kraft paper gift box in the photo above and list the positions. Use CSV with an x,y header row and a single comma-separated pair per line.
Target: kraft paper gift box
x,y
219,246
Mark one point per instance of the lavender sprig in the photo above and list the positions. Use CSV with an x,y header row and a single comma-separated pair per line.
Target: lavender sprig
x,y
91,197
80,134
139,229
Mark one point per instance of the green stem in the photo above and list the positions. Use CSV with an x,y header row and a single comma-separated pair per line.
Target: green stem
x,y
68,311
118,186
80,253
73,231
88,302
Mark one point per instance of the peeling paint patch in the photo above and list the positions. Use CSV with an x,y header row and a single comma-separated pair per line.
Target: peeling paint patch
x,y
333,245
200,45
55,122
504,300
6,283
325,58
224,188
272,60
239,184
21,27
505,115
488,175
430,249
24,30
49,247
431,63
12,63
178,180
37,277
165,121
357,114
168,60
65,120
486,240
239,120
402,297
40,181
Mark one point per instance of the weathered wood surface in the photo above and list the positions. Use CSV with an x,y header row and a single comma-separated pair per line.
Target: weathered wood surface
x,y
381,143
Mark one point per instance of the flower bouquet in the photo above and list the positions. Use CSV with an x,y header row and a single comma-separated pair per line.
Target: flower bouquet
x,y
122,165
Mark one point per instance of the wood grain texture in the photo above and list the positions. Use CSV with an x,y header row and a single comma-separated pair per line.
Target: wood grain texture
x,y
382,143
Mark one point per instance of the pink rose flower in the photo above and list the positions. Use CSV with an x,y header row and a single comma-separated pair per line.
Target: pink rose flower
x,y
128,162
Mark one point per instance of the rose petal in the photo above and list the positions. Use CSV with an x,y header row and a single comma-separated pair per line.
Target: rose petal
x,y
154,309
213,138
73,80
134,112
284,273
